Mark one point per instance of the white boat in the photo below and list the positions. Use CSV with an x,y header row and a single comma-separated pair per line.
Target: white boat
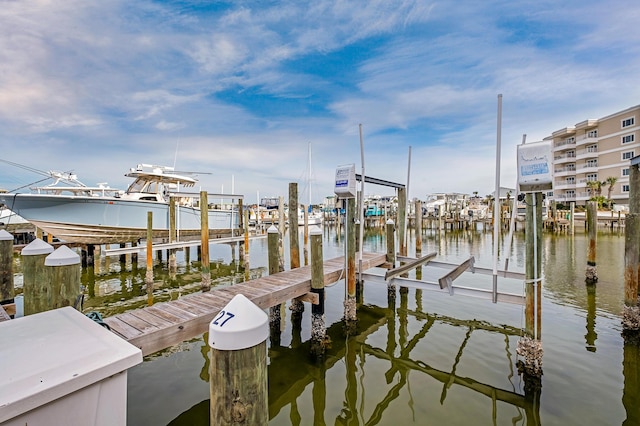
x,y
313,218
74,212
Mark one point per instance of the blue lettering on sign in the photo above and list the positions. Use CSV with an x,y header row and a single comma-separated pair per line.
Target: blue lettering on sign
x,y
342,182
534,169
220,316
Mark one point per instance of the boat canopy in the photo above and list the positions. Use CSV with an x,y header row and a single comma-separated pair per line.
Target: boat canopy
x,y
145,173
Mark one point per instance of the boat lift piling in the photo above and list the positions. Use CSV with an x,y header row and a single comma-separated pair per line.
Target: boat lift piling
x,y
631,312
275,312
297,307
6,266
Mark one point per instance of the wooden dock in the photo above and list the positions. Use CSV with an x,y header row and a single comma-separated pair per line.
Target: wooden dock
x,y
162,325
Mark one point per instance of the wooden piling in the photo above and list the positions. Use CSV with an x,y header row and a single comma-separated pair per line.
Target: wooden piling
x,y
247,265
533,266
350,240
205,264
281,229
530,345
402,221
173,234
63,276
318,327
306,235
238,369
418,227
631,312
6,266
35,279
591,274
391,256
391,243
294,244
297,307
148,277
275,312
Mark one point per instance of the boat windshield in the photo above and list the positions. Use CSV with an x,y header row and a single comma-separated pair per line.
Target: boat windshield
x,y
144,186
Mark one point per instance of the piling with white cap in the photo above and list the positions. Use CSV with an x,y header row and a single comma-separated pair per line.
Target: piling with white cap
x,y
238,372
6,265
63,266
35,277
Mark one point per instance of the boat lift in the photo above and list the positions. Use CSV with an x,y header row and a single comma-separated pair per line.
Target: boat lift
x,y
438,281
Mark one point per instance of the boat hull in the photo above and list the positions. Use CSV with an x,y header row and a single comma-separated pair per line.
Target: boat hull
x,y
104,220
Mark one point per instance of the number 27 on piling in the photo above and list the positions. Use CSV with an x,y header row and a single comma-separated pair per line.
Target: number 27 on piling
x,y
219,321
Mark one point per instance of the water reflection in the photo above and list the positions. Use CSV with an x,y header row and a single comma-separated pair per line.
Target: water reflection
x,y
422,358
375,380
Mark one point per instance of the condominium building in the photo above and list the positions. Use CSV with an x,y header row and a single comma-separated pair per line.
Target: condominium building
x,y
595,150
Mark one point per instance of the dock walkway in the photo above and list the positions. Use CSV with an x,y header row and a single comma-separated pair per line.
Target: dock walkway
x,y
165,324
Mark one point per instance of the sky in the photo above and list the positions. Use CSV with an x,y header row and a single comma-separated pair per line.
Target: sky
x,y
241,91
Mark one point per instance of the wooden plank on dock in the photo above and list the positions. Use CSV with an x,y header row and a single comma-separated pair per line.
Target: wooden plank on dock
x,y
166,324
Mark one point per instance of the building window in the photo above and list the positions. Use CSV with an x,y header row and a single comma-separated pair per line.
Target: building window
x,y
629,138
628,122
592,148
572,139
571,167
550,194
625,172
592,177
627,155
570,180
593,134
594,163
570,193
625,188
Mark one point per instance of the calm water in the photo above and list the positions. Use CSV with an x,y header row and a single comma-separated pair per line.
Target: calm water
x,y
426,358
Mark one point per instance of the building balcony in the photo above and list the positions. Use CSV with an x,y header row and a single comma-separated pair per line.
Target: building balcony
x,y
564,171
564,158
588,168
564,145
583,154
563,185
584,140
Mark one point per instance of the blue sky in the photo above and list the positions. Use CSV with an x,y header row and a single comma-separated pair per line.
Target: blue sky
x,y
238,90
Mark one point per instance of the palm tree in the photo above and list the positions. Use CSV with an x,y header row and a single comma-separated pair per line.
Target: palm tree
x,y
611,180
596,187
596,190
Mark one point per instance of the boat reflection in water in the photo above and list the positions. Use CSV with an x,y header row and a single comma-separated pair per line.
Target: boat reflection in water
x,y
423,358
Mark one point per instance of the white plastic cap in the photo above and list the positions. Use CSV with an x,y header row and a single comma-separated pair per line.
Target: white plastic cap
x,y
63,256
5,236
36,247
239,325
272,230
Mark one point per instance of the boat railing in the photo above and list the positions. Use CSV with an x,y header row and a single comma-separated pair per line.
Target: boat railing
x,y
98,191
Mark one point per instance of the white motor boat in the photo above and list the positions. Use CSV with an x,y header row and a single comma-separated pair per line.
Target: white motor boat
x,y
74,212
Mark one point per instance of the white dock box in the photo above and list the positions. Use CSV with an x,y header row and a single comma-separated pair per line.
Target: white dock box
x,y
61,368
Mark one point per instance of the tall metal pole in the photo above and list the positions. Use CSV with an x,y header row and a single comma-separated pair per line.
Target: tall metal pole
x,y
496,218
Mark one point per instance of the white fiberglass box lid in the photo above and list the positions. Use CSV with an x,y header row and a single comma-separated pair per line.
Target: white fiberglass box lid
x,y
54,353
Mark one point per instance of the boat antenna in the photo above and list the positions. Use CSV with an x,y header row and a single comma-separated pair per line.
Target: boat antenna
x,y
175,156
47,175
